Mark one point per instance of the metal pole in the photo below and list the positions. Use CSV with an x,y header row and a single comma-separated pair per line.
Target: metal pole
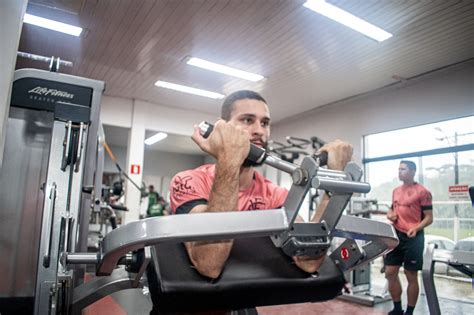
x,y
456,182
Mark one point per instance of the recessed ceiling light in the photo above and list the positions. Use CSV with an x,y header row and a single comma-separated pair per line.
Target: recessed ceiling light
x,y
346,18
52,25
155,138
201,63
188,89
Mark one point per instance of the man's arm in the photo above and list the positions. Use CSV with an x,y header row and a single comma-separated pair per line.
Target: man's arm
x,y
391,214
427,220
230,146
339,154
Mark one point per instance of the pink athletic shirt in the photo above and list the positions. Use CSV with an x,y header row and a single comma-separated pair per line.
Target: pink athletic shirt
x,y
196,184
409,202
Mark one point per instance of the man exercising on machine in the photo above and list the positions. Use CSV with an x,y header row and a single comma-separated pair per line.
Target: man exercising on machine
x,y
232,183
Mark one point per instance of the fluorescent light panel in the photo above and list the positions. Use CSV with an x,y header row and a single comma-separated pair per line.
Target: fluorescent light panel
x,y
187,89
201,63
52,25
155,138
349,20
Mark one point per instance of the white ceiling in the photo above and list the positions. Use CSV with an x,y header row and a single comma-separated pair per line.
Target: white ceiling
x,y
307,59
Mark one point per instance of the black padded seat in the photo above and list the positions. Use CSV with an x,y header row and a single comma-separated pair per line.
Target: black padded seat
x,y
256,274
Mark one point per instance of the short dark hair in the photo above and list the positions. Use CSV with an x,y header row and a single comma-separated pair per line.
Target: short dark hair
x,y
411,165
229,101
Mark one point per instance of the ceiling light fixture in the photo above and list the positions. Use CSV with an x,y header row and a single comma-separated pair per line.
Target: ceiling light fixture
x,y
52,25
201,63
155,138
346,18
187,89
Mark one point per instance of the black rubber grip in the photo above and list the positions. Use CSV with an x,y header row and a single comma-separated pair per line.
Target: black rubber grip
x,y
113,222
120,208
256,154
322,158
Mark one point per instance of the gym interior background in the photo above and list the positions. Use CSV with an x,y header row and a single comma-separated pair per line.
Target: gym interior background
x,y
410,96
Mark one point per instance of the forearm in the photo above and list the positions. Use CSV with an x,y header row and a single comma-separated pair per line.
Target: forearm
x,y
321,208
209,257
224,195
427,220
311,264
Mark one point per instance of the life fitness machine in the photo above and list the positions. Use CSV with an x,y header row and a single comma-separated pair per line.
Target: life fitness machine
x,y
50,158
259,271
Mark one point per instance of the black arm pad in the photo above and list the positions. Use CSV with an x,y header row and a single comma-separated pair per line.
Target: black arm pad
x,y
256,274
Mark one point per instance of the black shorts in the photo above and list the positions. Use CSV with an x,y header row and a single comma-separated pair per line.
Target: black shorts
x,y
408,253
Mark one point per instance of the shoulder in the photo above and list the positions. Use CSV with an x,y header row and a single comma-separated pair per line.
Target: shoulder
x,y
422,190
191,181
420,187
204,171
191,185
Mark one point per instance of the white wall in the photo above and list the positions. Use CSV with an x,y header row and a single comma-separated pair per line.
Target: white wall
x,y
159,163
159,168
119,112
121,156
443,95
116,111
140,116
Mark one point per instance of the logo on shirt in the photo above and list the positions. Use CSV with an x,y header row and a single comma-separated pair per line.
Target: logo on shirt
x,y
256,204
181,186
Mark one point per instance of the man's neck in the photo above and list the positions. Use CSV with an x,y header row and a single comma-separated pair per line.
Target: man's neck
x,y
246,177
408,182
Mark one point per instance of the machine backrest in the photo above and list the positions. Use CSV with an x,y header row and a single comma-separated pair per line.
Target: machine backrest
x,y
256,274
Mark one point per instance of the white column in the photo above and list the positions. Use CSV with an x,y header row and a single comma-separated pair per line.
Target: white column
x,y
11,21
135,153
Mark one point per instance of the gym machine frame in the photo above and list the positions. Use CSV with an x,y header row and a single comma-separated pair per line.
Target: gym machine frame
x,y
68,107
462,261
129,244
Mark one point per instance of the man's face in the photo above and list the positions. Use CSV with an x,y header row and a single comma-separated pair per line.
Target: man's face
x,y
404,173
253,116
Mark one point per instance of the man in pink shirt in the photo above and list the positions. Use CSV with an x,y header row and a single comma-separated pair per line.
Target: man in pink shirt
x,y
411,212
232,184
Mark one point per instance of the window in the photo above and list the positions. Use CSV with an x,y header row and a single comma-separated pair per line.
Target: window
x,y
444,154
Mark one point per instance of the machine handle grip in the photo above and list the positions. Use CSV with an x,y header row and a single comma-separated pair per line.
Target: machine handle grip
x,y
113,222
321,158
52,206
118,207
256,154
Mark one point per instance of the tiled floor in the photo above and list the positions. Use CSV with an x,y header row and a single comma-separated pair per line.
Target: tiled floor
x,y
135,302
455,298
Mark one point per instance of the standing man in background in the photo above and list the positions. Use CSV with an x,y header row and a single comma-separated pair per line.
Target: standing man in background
x,y
411,212
154,207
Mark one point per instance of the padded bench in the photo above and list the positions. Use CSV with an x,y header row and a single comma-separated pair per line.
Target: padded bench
x,y
256,274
